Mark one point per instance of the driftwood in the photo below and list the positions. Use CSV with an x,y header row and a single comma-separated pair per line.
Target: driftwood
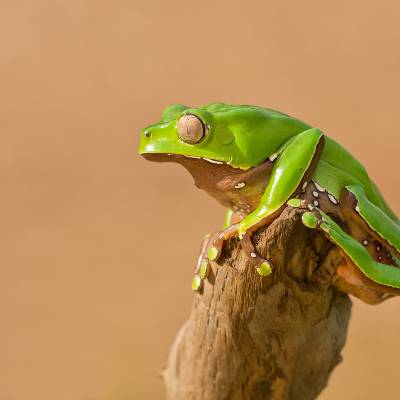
x,y
254,338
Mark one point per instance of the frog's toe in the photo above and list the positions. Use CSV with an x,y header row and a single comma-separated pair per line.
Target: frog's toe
x,y
218,240
215,246
310,220
214,251
262,266
201,273
297,203
197,283
202,268
211,249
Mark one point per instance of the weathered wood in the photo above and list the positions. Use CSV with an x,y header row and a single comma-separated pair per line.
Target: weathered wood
x,y
254,338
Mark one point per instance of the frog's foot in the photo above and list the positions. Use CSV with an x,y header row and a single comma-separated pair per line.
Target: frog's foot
x,y
215,245
246,228
263,267
217,242
202,268
210,250
374,275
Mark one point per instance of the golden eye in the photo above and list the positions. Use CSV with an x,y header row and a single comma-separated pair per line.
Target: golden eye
x,y
191,128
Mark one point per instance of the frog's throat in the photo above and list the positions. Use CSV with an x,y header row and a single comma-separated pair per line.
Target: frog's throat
x,y
234,188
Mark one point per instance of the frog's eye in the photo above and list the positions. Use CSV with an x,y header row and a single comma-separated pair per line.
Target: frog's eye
x,y
191,128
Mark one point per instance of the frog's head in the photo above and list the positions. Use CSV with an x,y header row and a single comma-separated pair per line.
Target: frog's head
x,y
240,136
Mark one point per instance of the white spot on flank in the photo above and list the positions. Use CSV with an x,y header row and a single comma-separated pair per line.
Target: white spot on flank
x,y
273,157
240,185
365,242
378,248
303,188
254,255
310,207
319,187
212,161
332,198
315,202
315,194
380,258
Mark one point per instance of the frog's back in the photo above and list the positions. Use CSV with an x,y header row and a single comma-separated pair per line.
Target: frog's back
x,y
231,108
338,168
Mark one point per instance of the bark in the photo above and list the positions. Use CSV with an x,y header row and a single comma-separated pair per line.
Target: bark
x,y
277,337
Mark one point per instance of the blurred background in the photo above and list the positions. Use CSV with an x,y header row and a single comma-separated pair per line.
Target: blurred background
x,y
98,245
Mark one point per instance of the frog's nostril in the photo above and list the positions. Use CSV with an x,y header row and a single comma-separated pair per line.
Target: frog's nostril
x,y
147,134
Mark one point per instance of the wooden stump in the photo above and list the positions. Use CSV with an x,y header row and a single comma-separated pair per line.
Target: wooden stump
x,y
277,337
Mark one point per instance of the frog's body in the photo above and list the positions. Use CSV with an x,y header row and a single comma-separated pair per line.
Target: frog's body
x,y
253,160
337,168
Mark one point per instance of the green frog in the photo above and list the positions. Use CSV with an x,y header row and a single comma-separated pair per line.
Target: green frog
x,y
257,161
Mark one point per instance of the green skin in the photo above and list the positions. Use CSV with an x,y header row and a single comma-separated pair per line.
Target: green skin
x,y
244,137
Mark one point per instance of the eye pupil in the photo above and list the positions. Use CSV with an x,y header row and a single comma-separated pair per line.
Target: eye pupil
x,y
191,128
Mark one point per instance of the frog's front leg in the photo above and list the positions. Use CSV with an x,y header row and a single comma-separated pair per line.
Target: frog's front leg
x,y
294,166
216,243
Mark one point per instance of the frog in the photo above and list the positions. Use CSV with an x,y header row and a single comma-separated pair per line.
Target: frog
x,y
256,161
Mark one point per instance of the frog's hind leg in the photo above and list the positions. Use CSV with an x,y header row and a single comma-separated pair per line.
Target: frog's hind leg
x,y
381,276
368,269
378,233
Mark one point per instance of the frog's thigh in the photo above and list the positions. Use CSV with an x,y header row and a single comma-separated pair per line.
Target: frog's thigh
x,y
357,273
379,234
378,272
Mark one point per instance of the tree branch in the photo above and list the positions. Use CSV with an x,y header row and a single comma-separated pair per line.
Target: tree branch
x,y
254,338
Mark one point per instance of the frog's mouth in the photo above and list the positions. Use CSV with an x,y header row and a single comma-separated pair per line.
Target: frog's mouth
x,y
179,158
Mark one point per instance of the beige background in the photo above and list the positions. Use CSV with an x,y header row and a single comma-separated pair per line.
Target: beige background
x,y
88,307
